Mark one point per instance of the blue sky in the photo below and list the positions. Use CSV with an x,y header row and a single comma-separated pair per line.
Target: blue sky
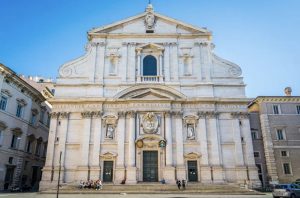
x,y
262,36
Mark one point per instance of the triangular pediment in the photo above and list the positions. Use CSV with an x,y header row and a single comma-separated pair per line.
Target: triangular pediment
x,y
151,94
133,25
148,92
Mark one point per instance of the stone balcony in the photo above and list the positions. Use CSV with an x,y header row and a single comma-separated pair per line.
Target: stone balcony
x,y
150,79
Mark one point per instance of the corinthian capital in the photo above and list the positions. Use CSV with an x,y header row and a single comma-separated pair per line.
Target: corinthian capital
x,y
64,115
212,114
86,114
131,114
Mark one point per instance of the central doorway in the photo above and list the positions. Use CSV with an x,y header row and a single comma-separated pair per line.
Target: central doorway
x,y
150,166
108,171
192,171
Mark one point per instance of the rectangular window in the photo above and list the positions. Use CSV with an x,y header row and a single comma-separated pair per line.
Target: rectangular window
x,y
37,148
33,119
48,119
254,135
286,168
284,154
45,150
25,165
276,109
256,154
259,168
15,141
3,103
280,134
19,110
42,115
298,109
28,148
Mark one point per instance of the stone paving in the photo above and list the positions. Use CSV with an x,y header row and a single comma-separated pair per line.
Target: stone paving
x,y
37,195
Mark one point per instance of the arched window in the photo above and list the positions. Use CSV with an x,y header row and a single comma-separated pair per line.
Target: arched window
x,y
149,66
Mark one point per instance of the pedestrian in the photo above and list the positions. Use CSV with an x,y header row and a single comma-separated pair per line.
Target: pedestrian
x,y
183,184
178,184
100,184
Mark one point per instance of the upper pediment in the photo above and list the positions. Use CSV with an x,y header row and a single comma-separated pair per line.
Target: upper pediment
x,y
149,92
149,22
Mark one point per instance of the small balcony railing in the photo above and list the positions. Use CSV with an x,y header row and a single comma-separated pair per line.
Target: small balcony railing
x,y
150,79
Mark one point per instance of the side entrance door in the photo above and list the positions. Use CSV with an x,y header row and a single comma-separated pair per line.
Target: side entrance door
x,y
108,171
150,166
192,171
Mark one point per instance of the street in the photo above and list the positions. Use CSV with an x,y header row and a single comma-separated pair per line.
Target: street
x,y
37,195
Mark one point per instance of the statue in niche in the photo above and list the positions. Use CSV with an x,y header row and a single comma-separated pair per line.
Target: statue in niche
x,y
190,132
110,131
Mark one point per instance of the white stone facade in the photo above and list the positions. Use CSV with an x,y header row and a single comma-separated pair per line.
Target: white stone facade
x,y
184,103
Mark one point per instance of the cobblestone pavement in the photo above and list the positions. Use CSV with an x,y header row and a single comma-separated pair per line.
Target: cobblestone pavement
x,y
36,195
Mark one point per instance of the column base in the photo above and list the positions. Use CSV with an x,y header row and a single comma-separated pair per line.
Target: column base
x,y
253,176
82,173
218,175
47,185
169,175
119,175
205,174
180,173
95,172
241,174
131,175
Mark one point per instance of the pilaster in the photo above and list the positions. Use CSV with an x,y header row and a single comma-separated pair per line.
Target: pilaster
x,y
180,168
131,166
120,168
97,131
167,62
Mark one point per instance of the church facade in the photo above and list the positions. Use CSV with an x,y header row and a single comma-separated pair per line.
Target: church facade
x,y
150,101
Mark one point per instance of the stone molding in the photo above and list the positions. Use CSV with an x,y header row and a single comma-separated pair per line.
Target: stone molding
x,y
96,44
110,120
208,114
190,119
204,43
240,115
192,155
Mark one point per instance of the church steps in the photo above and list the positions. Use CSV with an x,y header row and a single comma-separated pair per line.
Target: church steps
x,y
156,188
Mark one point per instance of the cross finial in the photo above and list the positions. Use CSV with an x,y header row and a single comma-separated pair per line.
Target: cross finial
x,y
149,7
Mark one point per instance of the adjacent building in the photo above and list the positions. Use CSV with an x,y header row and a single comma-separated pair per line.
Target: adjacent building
x,y
150,100
24,122
275,129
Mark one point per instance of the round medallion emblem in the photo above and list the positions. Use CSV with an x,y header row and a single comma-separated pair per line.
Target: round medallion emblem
x,y
140,143
150,123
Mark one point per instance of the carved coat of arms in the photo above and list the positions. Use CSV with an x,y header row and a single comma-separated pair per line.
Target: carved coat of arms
x,y
150,123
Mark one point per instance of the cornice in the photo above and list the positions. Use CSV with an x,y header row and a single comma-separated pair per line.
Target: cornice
x,y
110,35
277,99
12,77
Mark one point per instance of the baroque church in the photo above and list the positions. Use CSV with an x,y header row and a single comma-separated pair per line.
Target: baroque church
x,y
150,101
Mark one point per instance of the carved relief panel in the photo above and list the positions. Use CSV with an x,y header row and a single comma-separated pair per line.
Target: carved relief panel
x,y
149,123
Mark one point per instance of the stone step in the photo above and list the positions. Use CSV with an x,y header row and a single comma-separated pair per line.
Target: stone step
x,y
156,188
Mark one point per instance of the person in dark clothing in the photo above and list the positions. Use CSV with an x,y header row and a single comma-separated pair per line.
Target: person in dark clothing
x,y
183,184
178,184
